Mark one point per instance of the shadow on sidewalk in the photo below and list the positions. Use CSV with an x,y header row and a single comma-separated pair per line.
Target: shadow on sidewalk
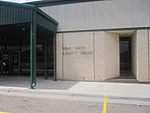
x,y
24,82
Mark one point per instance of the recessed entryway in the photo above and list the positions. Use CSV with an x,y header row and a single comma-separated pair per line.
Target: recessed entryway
x,y
125,56
125,53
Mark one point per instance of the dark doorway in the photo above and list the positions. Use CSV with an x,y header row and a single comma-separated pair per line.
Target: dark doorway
x,y
13,39
125,55
15,51
9,61
45,53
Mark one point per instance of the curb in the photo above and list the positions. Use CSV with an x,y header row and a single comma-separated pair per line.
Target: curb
x,y
18,90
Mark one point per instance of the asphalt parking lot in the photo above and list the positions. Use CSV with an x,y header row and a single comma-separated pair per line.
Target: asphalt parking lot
x,y
15,104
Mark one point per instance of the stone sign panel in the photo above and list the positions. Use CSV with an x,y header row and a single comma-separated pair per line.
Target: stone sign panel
x,y
77,54
76,50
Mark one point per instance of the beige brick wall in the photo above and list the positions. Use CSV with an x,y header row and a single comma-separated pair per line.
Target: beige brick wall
x,y
95,55
59,56
142,56
87,56
99,56
111,52
78,62
134,54
149,54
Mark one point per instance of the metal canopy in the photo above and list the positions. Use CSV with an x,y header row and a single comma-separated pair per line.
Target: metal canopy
x,y
13,13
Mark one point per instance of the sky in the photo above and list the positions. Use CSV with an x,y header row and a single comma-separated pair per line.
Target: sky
x,y
20,1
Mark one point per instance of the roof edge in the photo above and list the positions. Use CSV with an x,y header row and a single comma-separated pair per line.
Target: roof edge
x,y
46,16
58,2
32,8
17,4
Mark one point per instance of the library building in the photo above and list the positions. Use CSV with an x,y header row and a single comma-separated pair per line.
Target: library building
x,y
79,40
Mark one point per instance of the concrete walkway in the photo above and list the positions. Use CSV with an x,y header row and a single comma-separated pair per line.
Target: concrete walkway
x,y
134,91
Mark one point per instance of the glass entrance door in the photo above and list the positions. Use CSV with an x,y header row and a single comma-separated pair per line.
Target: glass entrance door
x,y
125,54
15,62
9,62
5,62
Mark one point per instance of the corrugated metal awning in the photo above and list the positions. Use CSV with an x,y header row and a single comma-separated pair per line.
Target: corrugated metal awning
x,y
13,13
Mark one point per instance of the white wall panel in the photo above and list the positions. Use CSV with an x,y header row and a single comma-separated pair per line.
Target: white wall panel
x,y
134,54
78,63
112,58
99,55
59,58
101,14
149,54
142,55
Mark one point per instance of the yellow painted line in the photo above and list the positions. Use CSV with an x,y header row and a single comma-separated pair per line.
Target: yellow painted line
x,y
105,104
3,112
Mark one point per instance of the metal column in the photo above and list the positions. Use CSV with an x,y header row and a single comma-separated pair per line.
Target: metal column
x,y
33,52
45,59
54,49
20,59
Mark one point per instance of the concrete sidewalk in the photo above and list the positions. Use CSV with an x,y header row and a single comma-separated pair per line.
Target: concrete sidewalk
x,y
45,88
